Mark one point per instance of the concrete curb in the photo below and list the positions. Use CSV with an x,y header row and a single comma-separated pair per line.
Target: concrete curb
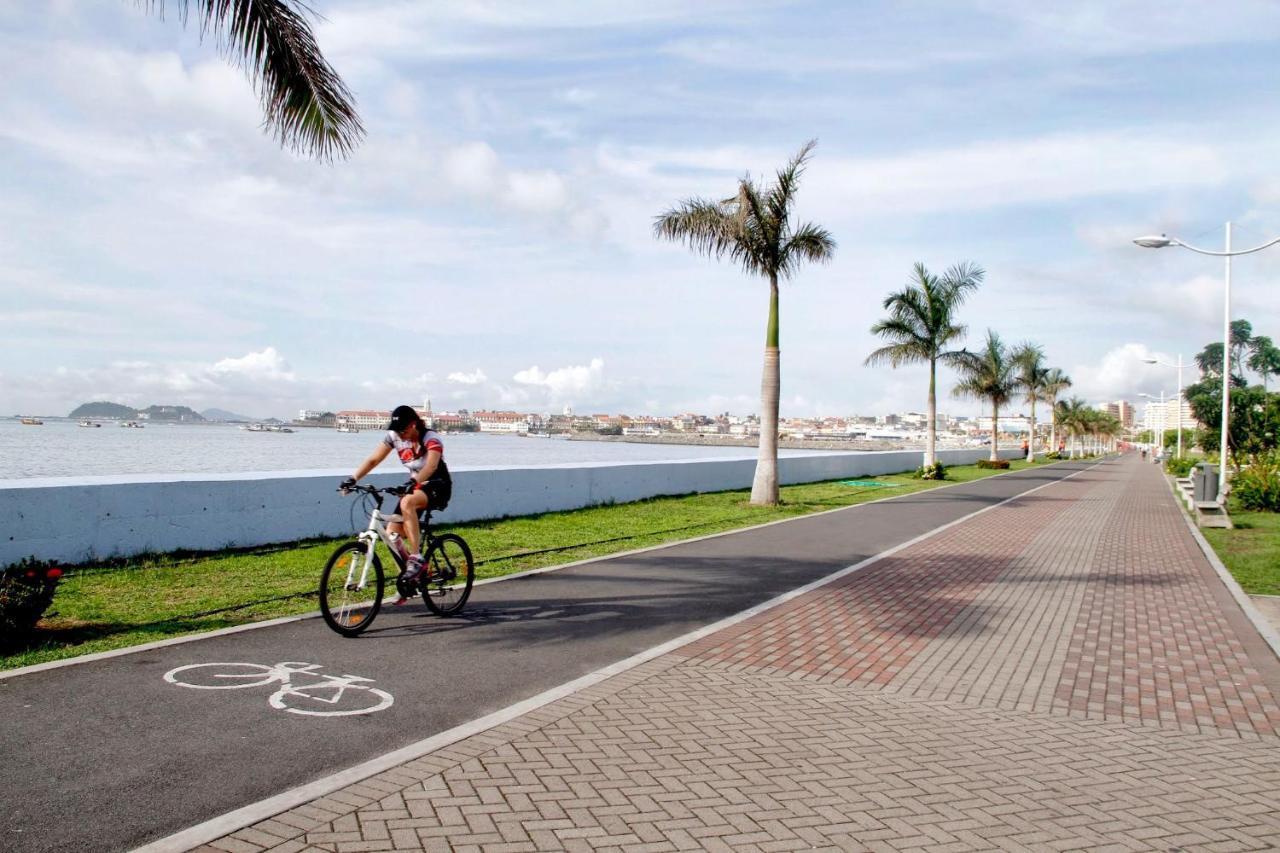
x,y
246,816
1260,624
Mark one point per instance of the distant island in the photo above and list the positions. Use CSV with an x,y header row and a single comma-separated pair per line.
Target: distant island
x,y
102,409
225,416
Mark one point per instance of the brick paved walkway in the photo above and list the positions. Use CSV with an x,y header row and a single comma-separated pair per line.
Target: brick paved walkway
x,y
1064,671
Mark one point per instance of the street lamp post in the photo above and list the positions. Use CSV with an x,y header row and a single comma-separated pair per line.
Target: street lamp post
x,y
1162,241
1179,367
1163,415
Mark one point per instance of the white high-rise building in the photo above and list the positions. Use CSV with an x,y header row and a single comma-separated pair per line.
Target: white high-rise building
x,y
1156,416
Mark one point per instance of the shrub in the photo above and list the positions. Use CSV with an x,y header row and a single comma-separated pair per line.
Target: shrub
x,y
1053,454
26,590
994,464
1179,467
936,471
1257,487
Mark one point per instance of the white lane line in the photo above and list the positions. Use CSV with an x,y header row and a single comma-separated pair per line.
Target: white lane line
x,y
232,821
283,620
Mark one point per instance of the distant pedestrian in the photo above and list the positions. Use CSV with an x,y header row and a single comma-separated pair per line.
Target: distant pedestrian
x,y
1025,447
1144,454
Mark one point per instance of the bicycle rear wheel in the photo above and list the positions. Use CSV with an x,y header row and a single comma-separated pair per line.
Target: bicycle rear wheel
x,y
349,606
452,572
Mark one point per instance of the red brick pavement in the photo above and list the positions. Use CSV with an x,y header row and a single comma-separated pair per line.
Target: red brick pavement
x,y
1060,672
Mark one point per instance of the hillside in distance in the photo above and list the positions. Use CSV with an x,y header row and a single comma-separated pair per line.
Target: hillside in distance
x,y
224,415
102,409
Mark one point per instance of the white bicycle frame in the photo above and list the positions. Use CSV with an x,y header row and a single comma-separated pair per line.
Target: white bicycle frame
x,y
375,531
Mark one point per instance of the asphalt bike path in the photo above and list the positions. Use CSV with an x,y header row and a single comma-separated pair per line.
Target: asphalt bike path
x,y
113,753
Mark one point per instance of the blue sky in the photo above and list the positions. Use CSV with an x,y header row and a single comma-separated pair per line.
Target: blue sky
x,y
489,244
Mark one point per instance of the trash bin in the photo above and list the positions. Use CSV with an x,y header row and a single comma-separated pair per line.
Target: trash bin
x,y
1204,482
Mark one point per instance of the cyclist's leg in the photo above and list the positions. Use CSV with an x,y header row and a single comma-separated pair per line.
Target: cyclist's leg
x,y
410,506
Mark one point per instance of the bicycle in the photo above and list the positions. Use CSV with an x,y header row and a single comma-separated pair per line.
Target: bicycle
x,y
352,583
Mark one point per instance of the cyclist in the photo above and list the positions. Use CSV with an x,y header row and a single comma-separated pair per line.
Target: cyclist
x,y
422,452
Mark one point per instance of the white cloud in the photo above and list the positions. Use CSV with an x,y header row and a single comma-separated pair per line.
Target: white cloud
x,y
1122,374
475,377
565,383
266,365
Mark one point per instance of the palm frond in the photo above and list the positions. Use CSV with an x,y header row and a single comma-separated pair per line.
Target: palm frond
x,y
707,227
307,106
782,194
809,242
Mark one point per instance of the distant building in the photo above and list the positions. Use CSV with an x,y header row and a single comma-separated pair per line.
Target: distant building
x,y
1155,416
362,419
1121,410
513,422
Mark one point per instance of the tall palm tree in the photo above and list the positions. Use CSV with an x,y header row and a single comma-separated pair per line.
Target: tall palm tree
x,y
920,326
1055,382
754,229
307,106
988,375
1031,375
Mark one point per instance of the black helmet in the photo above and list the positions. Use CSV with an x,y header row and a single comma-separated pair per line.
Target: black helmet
x,y
401,417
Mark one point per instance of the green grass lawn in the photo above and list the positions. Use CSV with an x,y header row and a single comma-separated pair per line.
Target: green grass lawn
x,y
1251,552
126,603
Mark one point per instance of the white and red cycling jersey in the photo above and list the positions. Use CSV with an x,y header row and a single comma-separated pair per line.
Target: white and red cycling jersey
x,y
413,454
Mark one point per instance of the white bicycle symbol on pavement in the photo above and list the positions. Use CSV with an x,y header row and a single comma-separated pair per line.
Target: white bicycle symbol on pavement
x,y
308,699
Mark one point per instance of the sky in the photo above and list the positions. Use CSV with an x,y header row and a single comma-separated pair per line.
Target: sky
x,y
489,244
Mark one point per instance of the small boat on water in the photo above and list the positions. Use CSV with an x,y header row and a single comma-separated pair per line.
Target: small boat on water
x,y
131,424
266,428
348,429
88,424
32,421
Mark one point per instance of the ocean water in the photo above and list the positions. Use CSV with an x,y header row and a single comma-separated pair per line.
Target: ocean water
x,y
61,448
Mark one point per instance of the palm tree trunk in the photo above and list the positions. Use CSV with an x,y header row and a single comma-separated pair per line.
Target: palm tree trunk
x,y
764,487
995,431
931,439
1031,442
1053,425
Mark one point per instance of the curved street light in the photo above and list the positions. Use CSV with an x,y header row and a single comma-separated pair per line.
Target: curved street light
x,y
1160,242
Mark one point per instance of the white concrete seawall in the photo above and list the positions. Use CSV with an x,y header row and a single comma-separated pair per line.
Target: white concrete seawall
x,y
92,518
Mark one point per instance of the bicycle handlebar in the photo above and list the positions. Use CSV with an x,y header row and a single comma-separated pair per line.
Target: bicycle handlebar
x,y
399,491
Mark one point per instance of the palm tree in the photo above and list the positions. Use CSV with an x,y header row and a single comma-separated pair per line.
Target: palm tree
x,y
1055,382
920,325
1074,416
988,375
307,106
1031,374
754,229
1108,426
1264,359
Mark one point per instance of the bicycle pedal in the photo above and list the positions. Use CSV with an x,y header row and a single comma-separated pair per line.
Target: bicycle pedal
x,y
399,601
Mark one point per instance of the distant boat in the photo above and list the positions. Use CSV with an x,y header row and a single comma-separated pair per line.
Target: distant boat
x,y
132,424
348,429
88,424
266,428
255,428
32,421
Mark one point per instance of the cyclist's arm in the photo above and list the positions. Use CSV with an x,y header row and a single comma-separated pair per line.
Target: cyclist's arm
x,y
429,467
372,462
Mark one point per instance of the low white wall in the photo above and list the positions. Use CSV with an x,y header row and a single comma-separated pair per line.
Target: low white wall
x,y
92,518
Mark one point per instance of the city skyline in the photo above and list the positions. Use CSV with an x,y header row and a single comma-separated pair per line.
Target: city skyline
x,y
514,161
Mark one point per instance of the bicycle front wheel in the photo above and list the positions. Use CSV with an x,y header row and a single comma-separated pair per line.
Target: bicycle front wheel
x,y
350,592
452,572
